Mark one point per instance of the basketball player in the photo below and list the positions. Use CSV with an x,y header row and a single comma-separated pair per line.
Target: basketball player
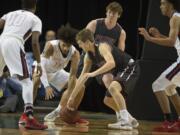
x,y
165,85
17,27
55,57
107,59
108,30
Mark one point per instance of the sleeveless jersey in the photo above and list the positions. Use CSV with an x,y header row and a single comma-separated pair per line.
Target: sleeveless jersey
x,y
103,34
57,61
121,59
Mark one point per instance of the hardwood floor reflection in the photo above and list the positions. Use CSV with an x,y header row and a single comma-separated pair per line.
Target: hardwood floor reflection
x,y
98,126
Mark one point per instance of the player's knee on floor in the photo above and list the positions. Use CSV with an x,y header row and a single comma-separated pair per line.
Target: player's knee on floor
x,y
171,90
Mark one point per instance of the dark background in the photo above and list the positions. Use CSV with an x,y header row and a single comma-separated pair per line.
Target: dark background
x,y
151,58
78,13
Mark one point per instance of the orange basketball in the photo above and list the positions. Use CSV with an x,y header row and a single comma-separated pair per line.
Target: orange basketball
x,y
68,116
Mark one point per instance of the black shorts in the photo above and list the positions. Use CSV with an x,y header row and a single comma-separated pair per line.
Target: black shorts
x,y
127,78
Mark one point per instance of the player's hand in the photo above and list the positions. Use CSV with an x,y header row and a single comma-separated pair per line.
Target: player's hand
x,y
154,32
49,93
86,76
144,33
38,69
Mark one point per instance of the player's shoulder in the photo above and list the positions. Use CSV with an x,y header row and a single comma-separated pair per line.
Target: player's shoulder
x,y
31,15
12,12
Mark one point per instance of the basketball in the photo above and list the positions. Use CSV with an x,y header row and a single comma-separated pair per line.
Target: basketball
x,y
68,116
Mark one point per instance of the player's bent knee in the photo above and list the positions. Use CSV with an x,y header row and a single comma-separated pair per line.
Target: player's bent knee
x,y
114,87
106,100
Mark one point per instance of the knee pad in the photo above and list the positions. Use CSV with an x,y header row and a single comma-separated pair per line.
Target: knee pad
x,y
170,91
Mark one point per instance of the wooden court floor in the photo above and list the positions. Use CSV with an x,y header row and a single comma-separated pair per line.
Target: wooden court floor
x,y
98,126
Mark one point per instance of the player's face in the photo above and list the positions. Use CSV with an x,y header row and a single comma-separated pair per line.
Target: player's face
x,y
83,45
164,6
112,15
65,47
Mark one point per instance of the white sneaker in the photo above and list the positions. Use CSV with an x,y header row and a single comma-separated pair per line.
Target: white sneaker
x,y
134,122
121,124
52,116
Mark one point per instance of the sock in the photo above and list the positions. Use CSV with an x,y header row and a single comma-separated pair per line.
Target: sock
x,y
178,117
58,108
28,109
168,117
27,90
118,115
124,114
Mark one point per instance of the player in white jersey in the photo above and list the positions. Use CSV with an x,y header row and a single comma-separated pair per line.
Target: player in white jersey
x,y
17,27
55,57
165,85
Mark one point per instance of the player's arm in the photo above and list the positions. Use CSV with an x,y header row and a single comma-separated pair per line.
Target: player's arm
x,y
79,84
105,52
168,41
35,45
36,51
155,33
87,65
92,26
2,22
122,39
73,70
48,50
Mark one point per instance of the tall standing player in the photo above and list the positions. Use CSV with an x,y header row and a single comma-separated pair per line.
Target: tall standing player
x,y
17,27
165,85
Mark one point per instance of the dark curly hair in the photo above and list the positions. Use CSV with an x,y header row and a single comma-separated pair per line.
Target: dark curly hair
x,y
67,34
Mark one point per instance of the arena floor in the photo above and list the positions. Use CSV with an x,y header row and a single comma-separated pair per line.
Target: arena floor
x,y
98,126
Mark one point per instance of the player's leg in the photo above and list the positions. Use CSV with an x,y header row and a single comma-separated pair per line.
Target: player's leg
x,y
14,57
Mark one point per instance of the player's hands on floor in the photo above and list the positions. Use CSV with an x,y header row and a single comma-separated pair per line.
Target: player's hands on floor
x,y
49,93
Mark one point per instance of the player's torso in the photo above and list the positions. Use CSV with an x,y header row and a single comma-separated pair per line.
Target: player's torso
x,y
102,33
57,61
19,23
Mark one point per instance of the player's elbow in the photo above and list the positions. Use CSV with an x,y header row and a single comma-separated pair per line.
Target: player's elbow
x,y
172,43
111,64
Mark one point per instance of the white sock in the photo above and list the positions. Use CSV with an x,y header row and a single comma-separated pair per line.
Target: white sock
x,y
118,115
124,114
58,108
179,118
27,90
